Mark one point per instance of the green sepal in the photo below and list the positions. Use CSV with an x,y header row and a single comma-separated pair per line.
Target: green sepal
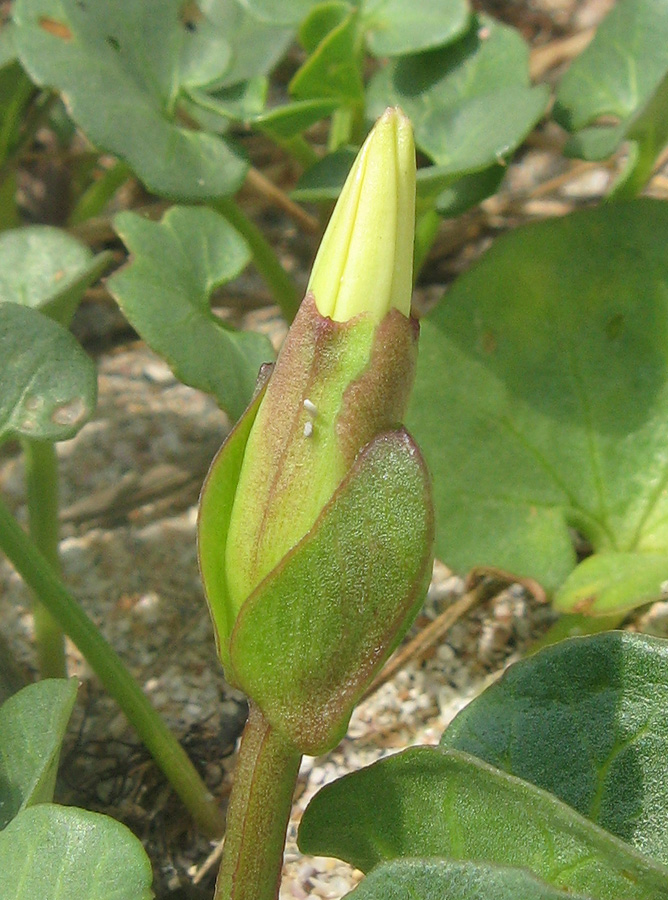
x,y
311,636
215,508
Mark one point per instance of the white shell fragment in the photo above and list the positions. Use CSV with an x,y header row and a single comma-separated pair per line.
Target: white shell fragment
x,y
308,429
310,407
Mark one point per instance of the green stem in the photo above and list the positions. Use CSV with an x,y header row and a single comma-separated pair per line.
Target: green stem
x,y
300,150
281,285
93,201
341,128
161,743
258,813
34,119
41,472
426,229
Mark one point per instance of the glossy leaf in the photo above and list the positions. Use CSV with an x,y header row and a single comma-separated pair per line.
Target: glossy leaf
x,y
333,70
550,355
578,720
471,102
165,291
436,879
121,66
47,269
616,76
338,603
427,802
32,727
48,385
394,27
65,853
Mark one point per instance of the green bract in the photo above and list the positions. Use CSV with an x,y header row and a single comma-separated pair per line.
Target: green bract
x,y
316,522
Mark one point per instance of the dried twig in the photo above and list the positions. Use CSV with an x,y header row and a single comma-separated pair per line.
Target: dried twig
x,y
417,649
262,185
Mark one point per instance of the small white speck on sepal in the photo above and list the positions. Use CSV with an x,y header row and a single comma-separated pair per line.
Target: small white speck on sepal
x,y
308,429
310,407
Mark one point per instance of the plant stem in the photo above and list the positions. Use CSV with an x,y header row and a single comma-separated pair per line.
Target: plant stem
x,y
93,201
281,285
426,229
161,743
41,472
34,119
341,128
258,813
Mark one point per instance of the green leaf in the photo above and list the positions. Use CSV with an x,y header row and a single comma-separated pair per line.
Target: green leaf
x,y
122,66
578,720
256,46
324,180
606,582
541,400
285,122
462,193
321,21
333,70
278,12
64,853
48,385
47,269
215,510
32,727
428,802
436,879
394,27
165,290
471,102
239,102
617,74
15,92
240,93
338,603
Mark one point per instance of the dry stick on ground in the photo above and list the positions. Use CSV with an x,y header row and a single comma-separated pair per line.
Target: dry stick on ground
x,y
266,188
556,52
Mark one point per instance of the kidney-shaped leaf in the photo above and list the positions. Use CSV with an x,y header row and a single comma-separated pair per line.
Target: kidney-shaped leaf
x,y
615,76
32,728
579,721
427,802
164,291
471,102
541,402
48,385
436,879
64,853
338,603
47,269
394,27
120,66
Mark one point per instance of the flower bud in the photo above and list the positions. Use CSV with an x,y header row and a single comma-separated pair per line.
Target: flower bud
x,y
346,369
284,504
